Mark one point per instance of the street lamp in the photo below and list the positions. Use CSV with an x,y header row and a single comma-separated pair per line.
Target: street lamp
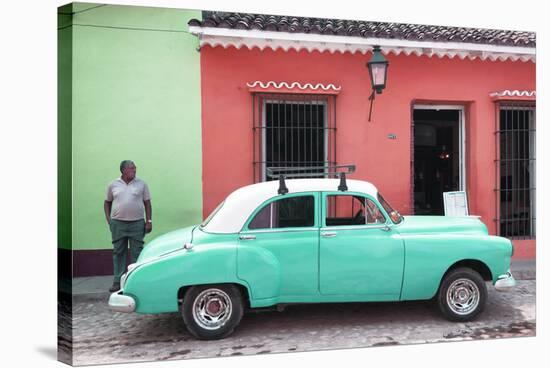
x,y
378,71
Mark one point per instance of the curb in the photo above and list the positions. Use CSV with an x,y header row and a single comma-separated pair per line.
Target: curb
x,y
91,297
525,275
83,297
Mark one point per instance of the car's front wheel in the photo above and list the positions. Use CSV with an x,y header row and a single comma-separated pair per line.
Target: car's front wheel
x,y
212,311
462,295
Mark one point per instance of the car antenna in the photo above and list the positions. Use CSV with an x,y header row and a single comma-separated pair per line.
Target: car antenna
x,y
343,187
282,185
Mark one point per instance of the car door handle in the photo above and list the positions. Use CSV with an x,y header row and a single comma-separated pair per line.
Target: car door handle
x,y
247,237
328,234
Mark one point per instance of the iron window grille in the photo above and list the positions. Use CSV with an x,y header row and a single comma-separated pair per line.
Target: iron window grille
x,y
515,170
293,130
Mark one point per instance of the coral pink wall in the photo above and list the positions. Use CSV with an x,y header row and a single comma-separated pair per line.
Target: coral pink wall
x,y
227,116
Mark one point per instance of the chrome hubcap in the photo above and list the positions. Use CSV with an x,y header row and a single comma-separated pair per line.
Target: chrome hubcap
x,y
463,296
212,309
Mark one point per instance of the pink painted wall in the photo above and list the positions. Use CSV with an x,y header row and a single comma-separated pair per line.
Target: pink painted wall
x,y
227,116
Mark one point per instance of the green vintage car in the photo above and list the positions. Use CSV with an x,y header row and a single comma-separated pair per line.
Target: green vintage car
x,y
312,241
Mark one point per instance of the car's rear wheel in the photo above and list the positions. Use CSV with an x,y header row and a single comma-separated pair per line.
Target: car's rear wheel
x,y
212,312
462,295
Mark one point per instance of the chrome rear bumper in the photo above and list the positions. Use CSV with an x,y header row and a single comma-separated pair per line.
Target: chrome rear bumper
x,y
505,282
121,303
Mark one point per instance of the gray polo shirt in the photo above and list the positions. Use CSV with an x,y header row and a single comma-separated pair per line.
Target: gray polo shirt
x,y
127,199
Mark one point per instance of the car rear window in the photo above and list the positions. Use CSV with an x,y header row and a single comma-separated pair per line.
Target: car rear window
x,y
212,214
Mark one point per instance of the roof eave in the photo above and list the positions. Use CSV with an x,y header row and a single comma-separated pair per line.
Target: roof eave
x,y
238,38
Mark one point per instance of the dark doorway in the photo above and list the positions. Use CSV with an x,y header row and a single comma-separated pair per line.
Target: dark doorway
x,y
436,158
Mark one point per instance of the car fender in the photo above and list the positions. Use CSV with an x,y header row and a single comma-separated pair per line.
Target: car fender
x,y
429,257
155,284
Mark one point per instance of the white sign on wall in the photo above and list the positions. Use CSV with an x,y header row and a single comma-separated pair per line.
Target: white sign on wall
x,y
455,203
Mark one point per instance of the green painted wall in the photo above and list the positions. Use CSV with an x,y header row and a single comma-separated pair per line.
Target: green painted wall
x,y
64,131
135,95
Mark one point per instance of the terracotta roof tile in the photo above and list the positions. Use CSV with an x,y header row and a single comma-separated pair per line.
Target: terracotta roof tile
x,y
413,32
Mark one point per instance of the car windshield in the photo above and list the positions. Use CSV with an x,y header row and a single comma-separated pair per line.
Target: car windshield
x,y
394,215
212,214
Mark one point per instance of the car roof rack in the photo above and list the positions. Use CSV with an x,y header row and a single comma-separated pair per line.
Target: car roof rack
x,y
283,173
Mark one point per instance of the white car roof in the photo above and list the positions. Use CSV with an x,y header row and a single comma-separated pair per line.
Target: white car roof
x,y
240,204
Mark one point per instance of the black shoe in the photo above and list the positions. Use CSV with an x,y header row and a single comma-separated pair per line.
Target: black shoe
x,y
115,287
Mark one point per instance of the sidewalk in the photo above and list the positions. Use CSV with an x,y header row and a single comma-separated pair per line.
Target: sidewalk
x,y
97,287
524,269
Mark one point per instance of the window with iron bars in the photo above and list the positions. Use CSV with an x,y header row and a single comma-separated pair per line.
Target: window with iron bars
x,y
293,130
515,170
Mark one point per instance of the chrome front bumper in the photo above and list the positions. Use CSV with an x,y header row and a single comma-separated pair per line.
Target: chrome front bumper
x,y
505,282
121,303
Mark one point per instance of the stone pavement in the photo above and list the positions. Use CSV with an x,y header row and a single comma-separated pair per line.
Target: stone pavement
x,y
100,336
97,335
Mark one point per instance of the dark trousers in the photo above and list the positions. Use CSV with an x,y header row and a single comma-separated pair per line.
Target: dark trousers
x,y
124,233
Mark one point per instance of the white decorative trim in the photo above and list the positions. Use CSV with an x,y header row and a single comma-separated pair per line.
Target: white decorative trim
x,y
514,93
250,39
293,85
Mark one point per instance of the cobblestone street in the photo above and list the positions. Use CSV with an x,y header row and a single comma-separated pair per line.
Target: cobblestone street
x,y
102,336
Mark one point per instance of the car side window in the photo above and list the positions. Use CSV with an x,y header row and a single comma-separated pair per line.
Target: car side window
x,y
345,210
374,215
296,211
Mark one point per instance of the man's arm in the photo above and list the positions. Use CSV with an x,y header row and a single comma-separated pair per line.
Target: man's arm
x,y
107,208
108,204
148,216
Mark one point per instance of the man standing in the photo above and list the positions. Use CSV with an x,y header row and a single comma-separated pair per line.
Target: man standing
x,y
127,198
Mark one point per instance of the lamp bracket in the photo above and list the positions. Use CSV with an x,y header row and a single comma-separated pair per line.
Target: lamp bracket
x,y
371,99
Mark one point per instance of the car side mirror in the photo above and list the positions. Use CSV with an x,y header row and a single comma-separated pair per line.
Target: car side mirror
x,y
394,216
